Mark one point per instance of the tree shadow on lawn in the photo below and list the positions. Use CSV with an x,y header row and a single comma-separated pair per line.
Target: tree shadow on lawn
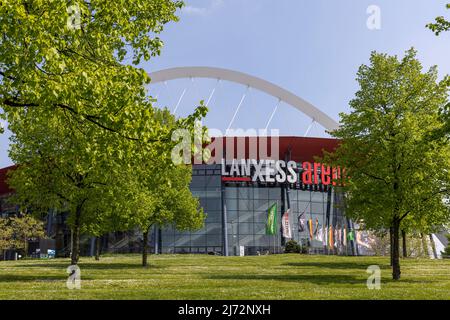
x,y
335,265
319,279
34,278
92,266
316,279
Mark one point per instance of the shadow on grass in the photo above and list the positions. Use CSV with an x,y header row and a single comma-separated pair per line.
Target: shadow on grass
x,y
334,265
319,279
316,279
91,266
31,278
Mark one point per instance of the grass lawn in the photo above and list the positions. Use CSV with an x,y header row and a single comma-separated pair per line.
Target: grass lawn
x,y
290,276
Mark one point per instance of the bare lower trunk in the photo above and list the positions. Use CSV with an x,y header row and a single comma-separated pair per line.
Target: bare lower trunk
x,y
391,245
424,245
75,256
396,250
97,248
433,247
25,247
145,247
405,251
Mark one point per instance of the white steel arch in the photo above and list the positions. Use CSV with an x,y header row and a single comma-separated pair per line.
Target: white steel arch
x,y
257,83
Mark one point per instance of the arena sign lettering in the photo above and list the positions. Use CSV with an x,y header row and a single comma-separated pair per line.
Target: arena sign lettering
x,y
271,171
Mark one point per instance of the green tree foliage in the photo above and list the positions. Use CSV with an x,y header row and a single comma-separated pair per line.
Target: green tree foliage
x,y
53,61
6,234
82,121
16,231
397,171
103,191
157,193
440,25
292,247
446,251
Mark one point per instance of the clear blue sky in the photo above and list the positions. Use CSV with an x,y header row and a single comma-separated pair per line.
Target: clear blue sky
x,y
312,48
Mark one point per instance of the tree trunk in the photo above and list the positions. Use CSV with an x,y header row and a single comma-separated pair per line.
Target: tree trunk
x,y
76,236
97,248
145,247
405,251
391,246
433,246
25,247
424,246
396,250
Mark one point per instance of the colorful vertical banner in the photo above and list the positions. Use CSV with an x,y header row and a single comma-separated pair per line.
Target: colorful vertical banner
x,y
286,225
330,237
271,226
316,229
351,235
319,235
310,227
301,223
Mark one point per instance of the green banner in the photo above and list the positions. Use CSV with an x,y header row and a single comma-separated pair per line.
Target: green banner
x,y
351,236
271,226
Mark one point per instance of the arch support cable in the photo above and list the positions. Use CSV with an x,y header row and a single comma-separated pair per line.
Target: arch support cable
x,y
273,114
310,127
238,107
179,101
212,92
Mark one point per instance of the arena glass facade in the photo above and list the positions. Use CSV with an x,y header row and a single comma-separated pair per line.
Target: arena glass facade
x,y
237,210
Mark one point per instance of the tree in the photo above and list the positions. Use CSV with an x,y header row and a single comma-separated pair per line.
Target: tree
x,y
159,191
26,227
80,116
166,203
15,232
55,172
440,25
6,235
292,247
397,171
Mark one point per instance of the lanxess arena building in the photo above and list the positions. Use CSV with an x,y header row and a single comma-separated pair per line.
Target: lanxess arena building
x,y
250,176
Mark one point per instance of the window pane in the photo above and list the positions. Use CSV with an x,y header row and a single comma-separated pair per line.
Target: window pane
x,y
260,228
245,216
214,228
317,197
198,240
245,204
246,240
261,205
261,193
214,181
274,193
183,240
230,193
232,204
245,228
232,216
317,208
304,195
245,193
260,216
213,216
213,204
214,240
